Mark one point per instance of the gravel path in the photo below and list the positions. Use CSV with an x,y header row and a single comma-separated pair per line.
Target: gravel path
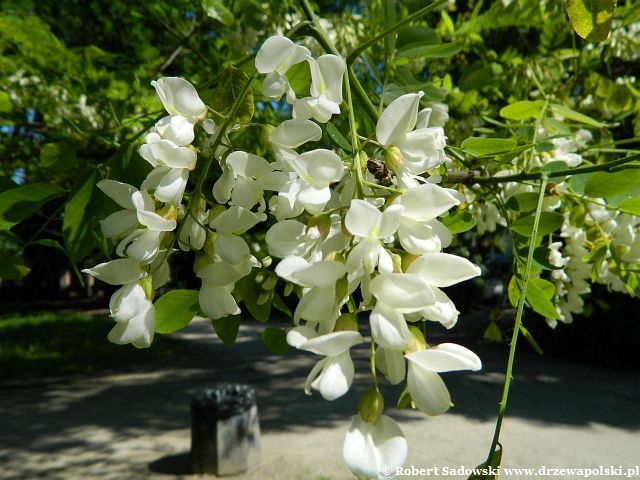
x,y
135,424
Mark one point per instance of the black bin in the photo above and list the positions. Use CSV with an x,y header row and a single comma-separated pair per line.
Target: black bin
x,y
225,432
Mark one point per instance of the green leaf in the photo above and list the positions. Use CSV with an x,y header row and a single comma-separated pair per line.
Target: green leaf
x,y
532,341
388,20
76,225
336,137
6,106
439,50
605,185
513,291
175,309
591,19
539,294
460,221
12,267
482,146
247,289
58,156
405,400
279,304
567,113
631,206
549,222
493,333
523,202
18,203
228,90
275,339
217,10
227,328
522,110
415,36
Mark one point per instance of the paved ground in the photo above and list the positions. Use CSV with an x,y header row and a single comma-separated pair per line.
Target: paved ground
x,y
134,424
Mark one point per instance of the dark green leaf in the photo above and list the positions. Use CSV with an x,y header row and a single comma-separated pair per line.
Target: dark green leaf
x,y
549,223
631,206
217,10
336,137
175,309
522,110
539,293
482,146
233,82
20,202
522,202
275,339
58,156
439,50
605,185
5,103
460,221
591,19
569,114
227,328
76,225
532,341
12,267
493,333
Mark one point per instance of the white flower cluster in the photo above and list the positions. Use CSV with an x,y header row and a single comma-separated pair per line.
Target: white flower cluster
x,y
144,227
348,242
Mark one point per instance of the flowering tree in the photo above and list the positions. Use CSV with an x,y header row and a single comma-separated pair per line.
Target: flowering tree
x,y
346,202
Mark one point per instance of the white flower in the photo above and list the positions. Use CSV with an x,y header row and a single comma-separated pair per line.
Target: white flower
x,y
326,90
229,224
331,376
241,178
179,97
426,387
138,207
374,451
396,294
134,315
275,57
419,232
177,129
370,226
307,187
167,184
218,281
193,235
117,272
409,153
159,151
319,303
439,270
293,133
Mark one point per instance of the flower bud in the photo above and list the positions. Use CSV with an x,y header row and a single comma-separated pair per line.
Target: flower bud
x,y
347,322
322,222
397,262
147,285
342,288
417,342
371,406
269,282
210,243
168,212
393,158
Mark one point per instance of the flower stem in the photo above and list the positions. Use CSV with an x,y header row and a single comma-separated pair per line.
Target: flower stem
x,y
518,321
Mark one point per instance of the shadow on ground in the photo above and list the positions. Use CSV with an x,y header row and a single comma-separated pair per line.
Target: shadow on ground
x,y
101,418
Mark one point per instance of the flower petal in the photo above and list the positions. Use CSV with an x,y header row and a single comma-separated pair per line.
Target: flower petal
x,y
117,272
427,389
374,451
293,133
179,97
404,292
446,357
362,218
119,192
443,269
389,328
426,202
398,119
336,377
